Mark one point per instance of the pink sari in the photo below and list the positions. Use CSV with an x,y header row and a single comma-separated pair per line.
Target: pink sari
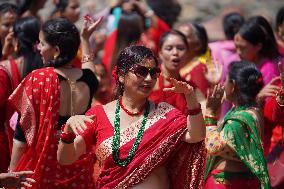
x,y
37,99
161,145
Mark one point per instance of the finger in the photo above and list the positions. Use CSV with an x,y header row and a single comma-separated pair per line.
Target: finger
x,y
88,119
81,124
280,67
172,89
30,180
26,184
91,116
214,91
274,80
96,23
173,81
25,172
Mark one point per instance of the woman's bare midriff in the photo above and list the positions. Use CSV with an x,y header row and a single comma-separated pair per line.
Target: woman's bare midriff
x,y
231,166
158,179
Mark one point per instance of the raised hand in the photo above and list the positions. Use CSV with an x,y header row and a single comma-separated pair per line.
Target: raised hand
x,y
213,72
77,124
8,47
89,26
17,179
214,100
268,90
179,87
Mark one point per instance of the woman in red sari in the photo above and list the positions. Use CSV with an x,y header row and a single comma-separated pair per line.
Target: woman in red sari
x,y
139,144
21,45
45,99
173,50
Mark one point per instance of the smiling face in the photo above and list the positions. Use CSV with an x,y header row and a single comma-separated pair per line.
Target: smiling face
x,y
139,86
173,52
46,50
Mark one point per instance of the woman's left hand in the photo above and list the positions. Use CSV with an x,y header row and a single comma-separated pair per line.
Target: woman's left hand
x,y
89,26
214,100
17,179
179,87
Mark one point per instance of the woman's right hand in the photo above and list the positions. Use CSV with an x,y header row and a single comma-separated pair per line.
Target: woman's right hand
x,y
77,124
8,47
268,90
89,27
214,100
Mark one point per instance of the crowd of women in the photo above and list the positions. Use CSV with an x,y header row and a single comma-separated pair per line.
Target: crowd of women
x,y
135,99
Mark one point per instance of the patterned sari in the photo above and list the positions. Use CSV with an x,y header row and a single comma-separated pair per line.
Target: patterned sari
x,y
161,145
242,135
9,80
37,99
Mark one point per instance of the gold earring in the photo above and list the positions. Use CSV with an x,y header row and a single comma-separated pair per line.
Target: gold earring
x,y
55,56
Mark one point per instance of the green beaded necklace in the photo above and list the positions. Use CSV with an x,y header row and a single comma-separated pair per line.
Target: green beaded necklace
x,y
116,138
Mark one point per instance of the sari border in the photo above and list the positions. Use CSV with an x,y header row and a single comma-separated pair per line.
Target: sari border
x,y
130,133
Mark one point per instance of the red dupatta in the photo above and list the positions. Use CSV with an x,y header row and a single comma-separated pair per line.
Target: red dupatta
x,y
161,145
37,99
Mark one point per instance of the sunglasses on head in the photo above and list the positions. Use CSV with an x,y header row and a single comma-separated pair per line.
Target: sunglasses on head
x,y
142,71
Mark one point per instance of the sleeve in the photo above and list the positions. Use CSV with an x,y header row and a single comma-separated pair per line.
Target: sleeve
x,y
214,142
5,87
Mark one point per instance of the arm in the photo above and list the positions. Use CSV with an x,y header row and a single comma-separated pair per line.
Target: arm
x,y
87,30
195,121
70,151
17,151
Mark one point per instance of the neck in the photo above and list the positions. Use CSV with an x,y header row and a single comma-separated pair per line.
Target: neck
x,y
67,66
132,104
257,60
170,74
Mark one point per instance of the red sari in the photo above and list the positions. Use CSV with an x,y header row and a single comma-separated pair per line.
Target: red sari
x,y
9,80
37,99
161,145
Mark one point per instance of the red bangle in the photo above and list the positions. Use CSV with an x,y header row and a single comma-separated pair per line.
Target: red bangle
x,y
67,138
194,111
211,117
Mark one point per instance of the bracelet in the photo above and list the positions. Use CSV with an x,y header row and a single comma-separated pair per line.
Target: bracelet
x,y
67,138
88,58
210,121
194,111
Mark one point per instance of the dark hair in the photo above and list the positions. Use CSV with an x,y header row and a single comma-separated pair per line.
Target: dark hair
x,y
62,33
231,24
201,34
6,7
26,30
60,6
279,17
167,10
165,35
129,57
129,31
258,30
248,80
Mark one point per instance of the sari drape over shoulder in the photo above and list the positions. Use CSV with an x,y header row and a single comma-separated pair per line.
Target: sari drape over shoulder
x,y
242,135
37,99
9,80
161,145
